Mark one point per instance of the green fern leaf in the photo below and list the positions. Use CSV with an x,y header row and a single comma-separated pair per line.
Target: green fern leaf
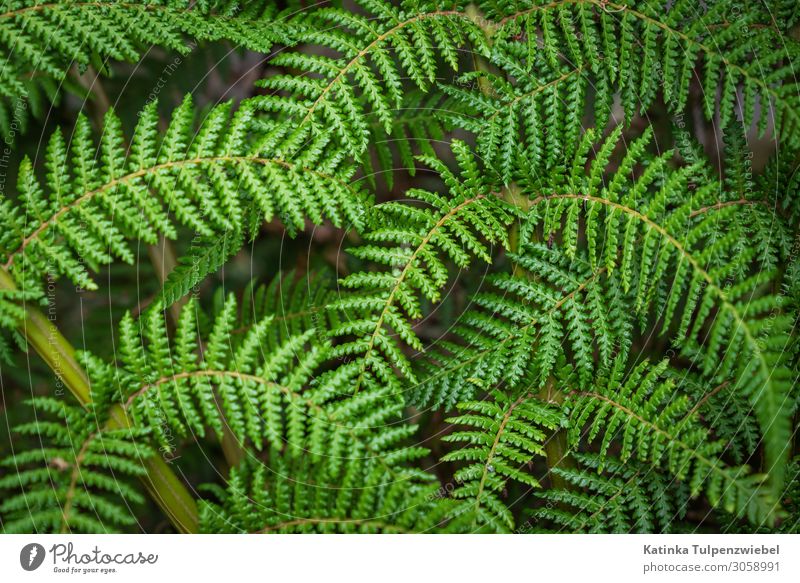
x,y
501,437
655,424
72,482
88,207
413,243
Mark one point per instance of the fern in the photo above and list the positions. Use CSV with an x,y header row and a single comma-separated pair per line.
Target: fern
x,y
541,271
419,243
76,480
253,377
791,523
621,498
296,304
766,232
415,129
211,180
174,388
503,437
607,38
374,54
724,410
11,313
91,33
678,271
540,111
657,426
519,327
204,258
299,496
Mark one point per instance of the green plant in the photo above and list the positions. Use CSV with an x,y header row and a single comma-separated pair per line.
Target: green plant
x,y
459,267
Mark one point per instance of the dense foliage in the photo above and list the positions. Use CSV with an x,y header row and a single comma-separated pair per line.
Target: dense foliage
x,y
373,266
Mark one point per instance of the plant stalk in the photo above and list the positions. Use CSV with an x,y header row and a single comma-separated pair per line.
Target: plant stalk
x,y
164,260
162,256
556,447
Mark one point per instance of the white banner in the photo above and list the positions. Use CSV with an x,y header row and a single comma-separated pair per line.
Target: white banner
x,y
401,558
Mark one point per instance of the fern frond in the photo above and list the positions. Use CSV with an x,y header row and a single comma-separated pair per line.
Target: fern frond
x,y
414,243
373,56
520,325
726,412
416,127
767,213
539,111
607,495
205,257
265,383
75,480
296,304
782,178
94,199
44,40
185,385
501,436
652,421
682,260
791,500
644,48
297,495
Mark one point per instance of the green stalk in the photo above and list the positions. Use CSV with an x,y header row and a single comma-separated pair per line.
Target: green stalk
x,y
162,256
164,260
161,482
556,447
